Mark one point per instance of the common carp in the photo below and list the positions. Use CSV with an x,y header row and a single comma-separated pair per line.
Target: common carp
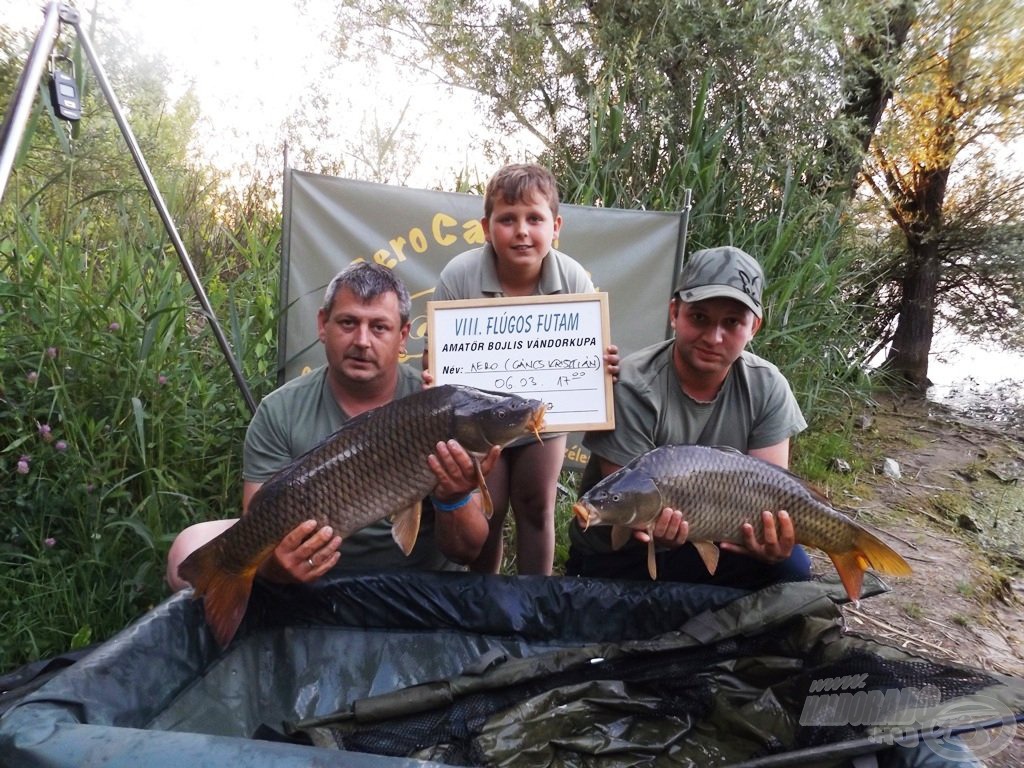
x,y
719,489
374,467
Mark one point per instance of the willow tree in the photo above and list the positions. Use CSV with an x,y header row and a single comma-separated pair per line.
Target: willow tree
x,y
621,85
935,168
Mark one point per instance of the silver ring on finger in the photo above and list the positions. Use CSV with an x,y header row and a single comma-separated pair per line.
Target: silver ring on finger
x,y
311,563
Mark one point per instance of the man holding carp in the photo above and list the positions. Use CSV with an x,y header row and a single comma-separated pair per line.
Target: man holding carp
x,y
363,325
701,387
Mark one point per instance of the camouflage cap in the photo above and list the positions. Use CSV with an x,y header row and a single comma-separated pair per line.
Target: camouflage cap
x,y
722,272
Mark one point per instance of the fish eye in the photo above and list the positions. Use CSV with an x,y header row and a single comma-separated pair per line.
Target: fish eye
x,y
501,413
616,497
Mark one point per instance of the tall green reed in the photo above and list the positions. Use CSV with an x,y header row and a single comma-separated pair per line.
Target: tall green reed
x,y
120,423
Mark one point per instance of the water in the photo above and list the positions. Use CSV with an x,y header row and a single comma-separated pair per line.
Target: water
x,y
979,381
984,383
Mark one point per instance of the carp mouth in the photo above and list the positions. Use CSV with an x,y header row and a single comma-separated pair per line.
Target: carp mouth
x,y
536,421
582,511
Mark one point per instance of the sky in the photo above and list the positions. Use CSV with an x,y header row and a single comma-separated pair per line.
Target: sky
x,y
249,64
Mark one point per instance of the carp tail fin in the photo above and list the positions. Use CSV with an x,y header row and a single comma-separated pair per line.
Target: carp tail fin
x,y
880,555
868,552
851,566
225,594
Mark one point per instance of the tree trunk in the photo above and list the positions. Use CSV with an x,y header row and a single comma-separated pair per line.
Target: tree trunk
x,y
867,90
912,341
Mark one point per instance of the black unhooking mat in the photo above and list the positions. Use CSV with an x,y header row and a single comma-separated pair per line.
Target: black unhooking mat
x,y
389,669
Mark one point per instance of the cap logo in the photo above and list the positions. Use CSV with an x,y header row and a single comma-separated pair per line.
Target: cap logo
x,y
751,285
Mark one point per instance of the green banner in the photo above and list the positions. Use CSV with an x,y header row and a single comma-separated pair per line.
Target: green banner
x,y
330,222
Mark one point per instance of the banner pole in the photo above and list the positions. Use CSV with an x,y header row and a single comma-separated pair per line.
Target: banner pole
x,y
684,228
286,255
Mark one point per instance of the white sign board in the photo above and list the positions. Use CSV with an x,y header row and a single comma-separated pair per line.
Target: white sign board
x,y
550,348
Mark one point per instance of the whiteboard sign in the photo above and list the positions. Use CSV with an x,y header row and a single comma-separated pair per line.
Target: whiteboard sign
x,y
550,348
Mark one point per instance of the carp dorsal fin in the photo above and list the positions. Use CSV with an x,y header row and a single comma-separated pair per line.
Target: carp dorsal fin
x,y
708,552
405,527
481,483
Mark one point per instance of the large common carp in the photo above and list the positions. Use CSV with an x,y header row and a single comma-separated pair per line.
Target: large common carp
x,y
719,489
374,467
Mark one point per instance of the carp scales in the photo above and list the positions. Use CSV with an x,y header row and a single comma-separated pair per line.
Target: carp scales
x,y
374,467
719,489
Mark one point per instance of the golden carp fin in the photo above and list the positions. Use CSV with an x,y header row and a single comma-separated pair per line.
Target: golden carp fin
x,y
582,514
225,595
536,422
485,495
868,552
851,566
708,552
652,561
620,536
405,527
880,555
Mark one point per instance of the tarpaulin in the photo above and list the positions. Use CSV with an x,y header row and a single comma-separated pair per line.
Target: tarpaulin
x,y
355,655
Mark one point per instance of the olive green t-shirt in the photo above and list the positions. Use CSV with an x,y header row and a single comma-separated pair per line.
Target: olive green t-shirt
x,y
473,274
755,408
294,418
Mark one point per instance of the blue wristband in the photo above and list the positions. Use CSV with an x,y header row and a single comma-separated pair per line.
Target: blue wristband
x,y
442,507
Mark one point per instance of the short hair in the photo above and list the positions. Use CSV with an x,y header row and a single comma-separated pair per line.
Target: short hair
x,y
368,281
516,182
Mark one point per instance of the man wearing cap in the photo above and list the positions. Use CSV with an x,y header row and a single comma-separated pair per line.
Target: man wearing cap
x,y
701,387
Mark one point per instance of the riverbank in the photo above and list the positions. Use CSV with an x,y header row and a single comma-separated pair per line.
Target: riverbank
x,y
956,512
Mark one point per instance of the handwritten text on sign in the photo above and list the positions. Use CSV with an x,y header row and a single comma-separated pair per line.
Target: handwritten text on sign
x,y
546,347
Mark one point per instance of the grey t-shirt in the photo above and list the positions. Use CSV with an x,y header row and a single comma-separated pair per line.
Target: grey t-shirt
x,y
755,408
294,418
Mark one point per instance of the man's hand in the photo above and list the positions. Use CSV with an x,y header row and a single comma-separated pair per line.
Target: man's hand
x,y
779,539
304,554
670,530
455,470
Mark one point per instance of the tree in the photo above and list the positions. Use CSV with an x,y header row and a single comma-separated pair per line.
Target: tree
x,y
958,98
86,164
763,72
870,45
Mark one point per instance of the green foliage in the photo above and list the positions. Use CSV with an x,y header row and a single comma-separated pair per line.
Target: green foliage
x,y
814,274
764,71
120,424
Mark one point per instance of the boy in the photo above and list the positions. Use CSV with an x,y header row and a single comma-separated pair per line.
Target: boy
x,y
520,224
